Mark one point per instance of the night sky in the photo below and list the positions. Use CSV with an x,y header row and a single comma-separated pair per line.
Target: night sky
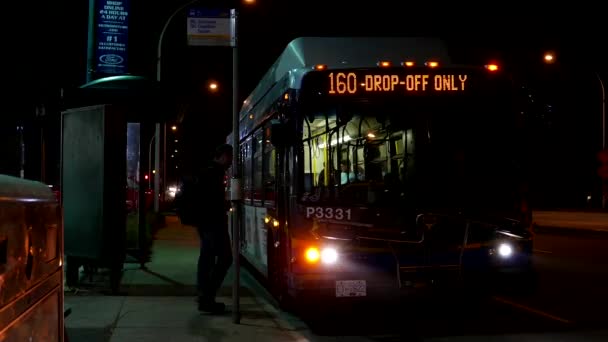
x,y
52,54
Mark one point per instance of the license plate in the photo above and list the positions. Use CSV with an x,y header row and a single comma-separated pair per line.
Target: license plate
x,y
416,284
351,288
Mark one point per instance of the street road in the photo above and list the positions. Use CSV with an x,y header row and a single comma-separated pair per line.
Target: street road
x,y
570,303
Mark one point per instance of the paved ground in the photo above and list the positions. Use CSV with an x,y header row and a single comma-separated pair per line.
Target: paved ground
x,y
157,303
569,304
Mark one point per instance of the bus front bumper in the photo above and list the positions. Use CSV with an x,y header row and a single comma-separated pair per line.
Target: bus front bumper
x,y
366,286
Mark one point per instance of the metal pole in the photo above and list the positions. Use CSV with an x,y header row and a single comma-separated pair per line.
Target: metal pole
x,y
21,152
158,74
91,42
156,166
604,195
164,183
150,162
599,78
235,184
42,155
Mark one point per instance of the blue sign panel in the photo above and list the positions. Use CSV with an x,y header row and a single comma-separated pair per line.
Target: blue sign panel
x,y
112,28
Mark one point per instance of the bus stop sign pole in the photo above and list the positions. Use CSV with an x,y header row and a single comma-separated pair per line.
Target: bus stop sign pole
x,y
235,185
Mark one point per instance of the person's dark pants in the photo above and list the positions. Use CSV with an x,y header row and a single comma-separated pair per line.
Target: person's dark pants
x,y
214,260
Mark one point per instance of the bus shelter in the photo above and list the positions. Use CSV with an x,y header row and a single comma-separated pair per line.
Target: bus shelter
x,y
107,128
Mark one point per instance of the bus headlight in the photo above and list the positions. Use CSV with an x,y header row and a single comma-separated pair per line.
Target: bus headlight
x,y
505,250
329,256
326,255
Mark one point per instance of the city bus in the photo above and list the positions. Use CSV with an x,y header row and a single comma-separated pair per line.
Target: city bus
x,y
374,167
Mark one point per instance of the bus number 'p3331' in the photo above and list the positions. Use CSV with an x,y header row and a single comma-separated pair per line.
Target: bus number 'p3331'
x,y
328,213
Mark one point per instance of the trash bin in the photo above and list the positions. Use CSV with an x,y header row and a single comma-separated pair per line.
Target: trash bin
x,y
31,262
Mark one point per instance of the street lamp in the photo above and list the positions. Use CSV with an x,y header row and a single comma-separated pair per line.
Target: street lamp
x,y
603,111
550,58
213,86
157,130
150,160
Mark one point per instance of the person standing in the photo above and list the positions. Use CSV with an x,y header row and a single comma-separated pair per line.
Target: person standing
x,y
208,186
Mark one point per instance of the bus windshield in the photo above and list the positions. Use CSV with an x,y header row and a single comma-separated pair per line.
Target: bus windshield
x,y
428,153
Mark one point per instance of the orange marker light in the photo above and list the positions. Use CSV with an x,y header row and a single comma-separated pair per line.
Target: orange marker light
x,y
492,67
432,64
312,254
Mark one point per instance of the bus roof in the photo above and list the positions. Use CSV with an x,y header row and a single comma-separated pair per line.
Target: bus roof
x,y
303,53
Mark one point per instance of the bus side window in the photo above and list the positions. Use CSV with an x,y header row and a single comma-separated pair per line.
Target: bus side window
x,y
258,188
269,169
246,169
309,171
308,177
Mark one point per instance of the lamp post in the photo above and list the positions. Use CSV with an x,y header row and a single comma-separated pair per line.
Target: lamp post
x,y
150,160
603,110
550,58
21,151
604,149
157,130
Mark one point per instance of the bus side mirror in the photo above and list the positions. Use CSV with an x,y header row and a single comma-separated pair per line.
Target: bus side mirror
x,y
278,135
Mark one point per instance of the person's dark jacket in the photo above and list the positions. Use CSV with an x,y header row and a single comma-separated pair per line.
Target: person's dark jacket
x,y
208,197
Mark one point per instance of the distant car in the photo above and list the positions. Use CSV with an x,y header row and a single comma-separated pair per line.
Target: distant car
x,y
132,200
56,192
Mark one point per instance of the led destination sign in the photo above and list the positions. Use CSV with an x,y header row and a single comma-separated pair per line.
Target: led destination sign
x,y
368,82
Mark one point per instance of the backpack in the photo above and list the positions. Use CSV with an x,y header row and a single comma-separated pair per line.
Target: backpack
x,y
185,203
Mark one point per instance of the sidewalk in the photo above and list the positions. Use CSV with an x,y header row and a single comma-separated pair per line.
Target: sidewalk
x,y
159,302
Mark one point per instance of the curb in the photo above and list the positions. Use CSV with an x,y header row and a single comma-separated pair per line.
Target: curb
x,y
288,323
